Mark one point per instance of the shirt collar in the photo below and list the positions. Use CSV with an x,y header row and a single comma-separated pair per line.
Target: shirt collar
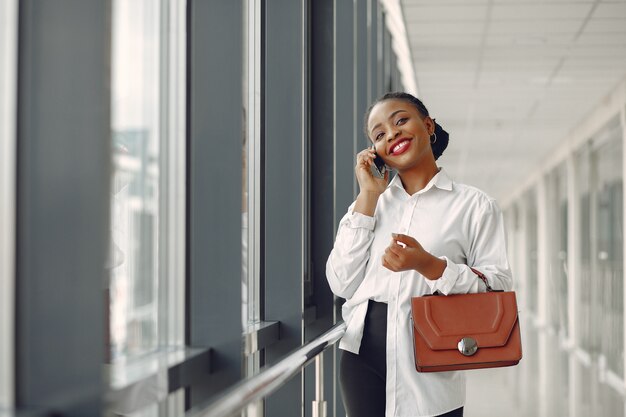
x,y
441,180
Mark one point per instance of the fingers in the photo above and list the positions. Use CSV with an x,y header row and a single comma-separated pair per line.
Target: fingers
x,y
404,239
401,252
392,258
389,264
365,157
393,251
396,249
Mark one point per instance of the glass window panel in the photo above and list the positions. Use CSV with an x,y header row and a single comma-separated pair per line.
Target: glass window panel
x,y
586,389
608,248
8,101
135,213
531,248
146,262
557,257
587,284
610,402
513,238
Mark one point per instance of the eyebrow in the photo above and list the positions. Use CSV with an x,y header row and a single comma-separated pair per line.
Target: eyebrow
x,y
390,116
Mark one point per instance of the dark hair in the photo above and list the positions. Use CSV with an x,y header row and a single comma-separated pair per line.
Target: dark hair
x,y
440,144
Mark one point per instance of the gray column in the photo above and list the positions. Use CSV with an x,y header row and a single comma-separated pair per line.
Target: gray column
x,y
215,146
362,72
286,169
322,179
388,56
348,133
348,122
63,169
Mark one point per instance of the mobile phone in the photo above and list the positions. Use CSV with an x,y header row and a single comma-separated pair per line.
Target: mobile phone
x,y
379,168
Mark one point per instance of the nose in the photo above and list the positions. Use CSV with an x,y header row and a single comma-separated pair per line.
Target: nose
x,y
394,132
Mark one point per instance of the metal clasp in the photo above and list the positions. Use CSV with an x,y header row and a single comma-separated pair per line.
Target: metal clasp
x,y
467,346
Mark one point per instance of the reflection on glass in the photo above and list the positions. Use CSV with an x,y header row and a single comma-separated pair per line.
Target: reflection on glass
x,y
557,222
557,397
531,249
609,251
584,309
134,248
245,278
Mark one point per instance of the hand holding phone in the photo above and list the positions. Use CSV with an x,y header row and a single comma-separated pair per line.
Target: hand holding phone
x,y
378,168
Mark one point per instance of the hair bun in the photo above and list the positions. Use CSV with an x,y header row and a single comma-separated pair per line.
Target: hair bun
x,y
441,143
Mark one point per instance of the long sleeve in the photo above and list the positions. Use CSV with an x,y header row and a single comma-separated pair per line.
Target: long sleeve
x,y
487,253
345,268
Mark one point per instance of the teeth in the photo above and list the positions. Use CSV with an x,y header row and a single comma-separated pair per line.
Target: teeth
x,y
399,146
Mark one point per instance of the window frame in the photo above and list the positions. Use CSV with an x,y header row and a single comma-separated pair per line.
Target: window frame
x,y
8,111
171,357
173,195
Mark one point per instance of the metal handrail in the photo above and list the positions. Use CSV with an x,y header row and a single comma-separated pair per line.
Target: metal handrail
x,y
259,386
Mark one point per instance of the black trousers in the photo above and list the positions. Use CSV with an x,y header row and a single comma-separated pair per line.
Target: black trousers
x,y
362,376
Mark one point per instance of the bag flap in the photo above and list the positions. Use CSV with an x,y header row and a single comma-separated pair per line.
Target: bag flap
x,y
443,321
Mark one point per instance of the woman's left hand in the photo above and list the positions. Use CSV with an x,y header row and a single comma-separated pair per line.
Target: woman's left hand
x,y
405,253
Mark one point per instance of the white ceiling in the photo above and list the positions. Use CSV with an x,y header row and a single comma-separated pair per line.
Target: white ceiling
x,y
509,78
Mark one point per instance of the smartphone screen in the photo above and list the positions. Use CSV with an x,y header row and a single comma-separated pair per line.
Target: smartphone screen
x,y
379,168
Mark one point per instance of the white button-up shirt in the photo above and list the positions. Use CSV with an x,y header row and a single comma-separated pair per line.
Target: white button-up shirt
x,y
456,222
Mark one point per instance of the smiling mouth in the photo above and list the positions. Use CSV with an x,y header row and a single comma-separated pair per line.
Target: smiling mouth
x,y
400,147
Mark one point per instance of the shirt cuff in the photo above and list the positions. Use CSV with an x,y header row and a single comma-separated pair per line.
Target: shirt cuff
x,y
445,283
359,220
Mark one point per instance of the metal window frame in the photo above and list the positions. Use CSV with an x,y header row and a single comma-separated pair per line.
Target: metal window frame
x,y
254,156
257,334
173,155
172,179
622,117
8,109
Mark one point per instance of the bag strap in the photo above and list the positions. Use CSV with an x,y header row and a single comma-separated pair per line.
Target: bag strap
x,y
484,278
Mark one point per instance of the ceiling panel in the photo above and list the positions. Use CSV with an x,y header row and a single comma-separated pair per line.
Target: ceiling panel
x,y
442,40
599,39
529,39
470,27
611,10
510,78
408,5
448,13
609,26
540,11
534,28
563,2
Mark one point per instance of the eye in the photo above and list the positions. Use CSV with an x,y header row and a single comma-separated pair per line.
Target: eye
x,y
379,136
401,121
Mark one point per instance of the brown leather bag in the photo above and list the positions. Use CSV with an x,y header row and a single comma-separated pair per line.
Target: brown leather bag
x,y
466,331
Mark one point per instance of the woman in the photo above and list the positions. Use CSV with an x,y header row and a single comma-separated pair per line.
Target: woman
x,y
412,236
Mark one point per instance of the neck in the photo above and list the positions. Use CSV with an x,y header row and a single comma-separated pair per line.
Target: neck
x,y
415,180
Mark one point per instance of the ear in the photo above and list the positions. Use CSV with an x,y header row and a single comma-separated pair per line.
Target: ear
x,y
430,125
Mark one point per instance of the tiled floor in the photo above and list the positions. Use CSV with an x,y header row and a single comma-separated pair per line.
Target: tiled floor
x,y
491,394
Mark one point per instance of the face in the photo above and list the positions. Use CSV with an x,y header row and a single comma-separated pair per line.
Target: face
x,y
400,134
